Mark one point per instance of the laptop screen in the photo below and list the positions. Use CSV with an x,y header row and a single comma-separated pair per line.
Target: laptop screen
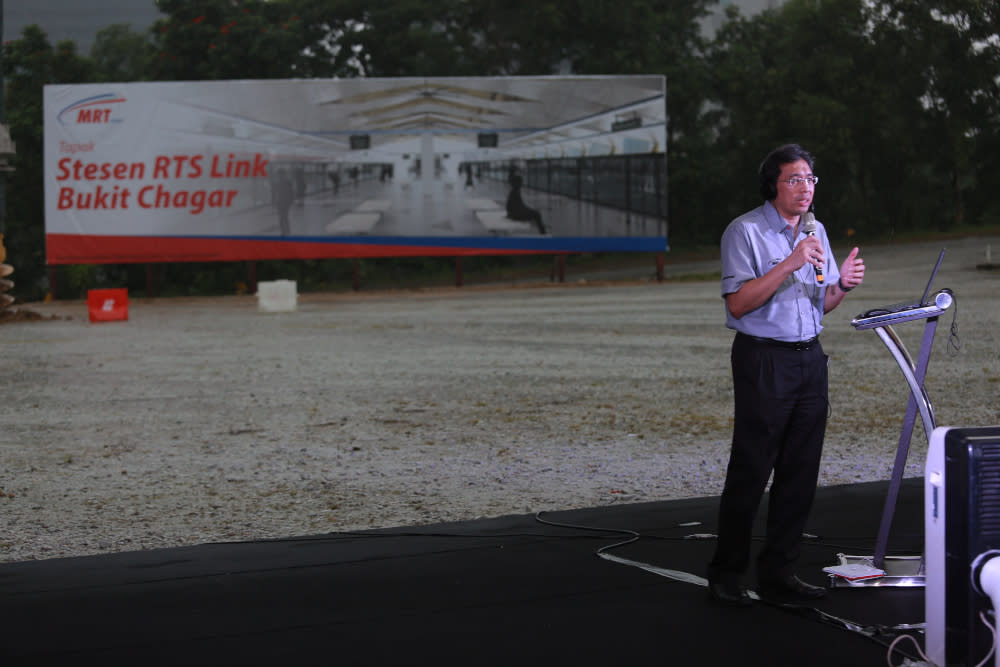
x,y
927,290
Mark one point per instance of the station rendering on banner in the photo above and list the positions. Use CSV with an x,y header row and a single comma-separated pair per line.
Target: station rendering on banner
x,y
286,169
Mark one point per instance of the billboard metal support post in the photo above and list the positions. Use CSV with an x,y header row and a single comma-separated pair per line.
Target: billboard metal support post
x,y
252,276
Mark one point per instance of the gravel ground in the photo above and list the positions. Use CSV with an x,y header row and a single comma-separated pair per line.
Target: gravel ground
x,y
204,420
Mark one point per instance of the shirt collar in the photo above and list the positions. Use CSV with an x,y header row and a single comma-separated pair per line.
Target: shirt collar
x,y
776,222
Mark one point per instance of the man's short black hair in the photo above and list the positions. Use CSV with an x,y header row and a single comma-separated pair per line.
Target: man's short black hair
x,y
770,168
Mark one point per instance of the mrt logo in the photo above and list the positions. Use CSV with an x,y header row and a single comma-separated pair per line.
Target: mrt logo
x,y
95,110
93,115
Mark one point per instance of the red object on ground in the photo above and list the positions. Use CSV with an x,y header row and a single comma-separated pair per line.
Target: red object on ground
x,y
107,305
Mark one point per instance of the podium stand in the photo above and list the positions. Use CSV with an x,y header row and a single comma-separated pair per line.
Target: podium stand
x,y
901,570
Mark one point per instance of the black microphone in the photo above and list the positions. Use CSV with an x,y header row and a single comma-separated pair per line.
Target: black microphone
x,y
809,227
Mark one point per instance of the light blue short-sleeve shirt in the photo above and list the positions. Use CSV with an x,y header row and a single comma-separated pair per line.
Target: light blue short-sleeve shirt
x,y
752,245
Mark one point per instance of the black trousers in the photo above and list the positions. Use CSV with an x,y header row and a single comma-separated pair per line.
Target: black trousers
x,y
780,421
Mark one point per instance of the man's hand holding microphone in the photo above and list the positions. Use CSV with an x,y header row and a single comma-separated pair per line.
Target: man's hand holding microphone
x,y
810,250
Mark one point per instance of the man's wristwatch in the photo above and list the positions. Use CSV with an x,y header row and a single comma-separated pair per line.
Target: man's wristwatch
x,y
843,289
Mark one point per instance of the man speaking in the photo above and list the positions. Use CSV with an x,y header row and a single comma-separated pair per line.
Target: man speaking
x,y
777,282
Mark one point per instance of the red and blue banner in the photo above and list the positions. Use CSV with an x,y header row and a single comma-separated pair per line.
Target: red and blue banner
x,y
306,169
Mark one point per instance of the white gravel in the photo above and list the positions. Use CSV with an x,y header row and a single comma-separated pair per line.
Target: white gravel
x,y
204,420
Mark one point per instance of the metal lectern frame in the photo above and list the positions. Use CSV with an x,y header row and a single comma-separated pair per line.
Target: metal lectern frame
x,y
900,571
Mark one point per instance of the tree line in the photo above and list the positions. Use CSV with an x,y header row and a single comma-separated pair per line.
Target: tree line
x,y
898,99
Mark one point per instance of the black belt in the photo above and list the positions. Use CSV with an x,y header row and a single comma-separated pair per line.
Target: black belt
x,y
800,345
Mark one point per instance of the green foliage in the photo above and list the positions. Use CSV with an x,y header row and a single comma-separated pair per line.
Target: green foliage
x,y
212,39
894,102
898,99
78,278
28,64
952,51
121,54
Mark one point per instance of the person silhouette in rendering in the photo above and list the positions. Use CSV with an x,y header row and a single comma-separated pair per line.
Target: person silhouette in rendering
x,y
517,209
282,198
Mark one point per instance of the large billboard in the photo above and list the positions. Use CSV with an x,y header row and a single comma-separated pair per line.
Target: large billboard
x,y
319,168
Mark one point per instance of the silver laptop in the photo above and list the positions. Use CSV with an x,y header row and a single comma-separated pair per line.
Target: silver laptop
x,y
929,305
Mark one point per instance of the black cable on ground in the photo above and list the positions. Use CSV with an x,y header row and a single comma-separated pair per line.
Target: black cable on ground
x,y
880,634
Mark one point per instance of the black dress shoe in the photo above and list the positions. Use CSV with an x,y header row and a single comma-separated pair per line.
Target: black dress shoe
x,y
789,589
732,595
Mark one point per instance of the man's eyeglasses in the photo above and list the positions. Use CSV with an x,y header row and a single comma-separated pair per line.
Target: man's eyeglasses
x,y
798,180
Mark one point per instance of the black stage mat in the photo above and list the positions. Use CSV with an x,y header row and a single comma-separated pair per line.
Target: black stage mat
x,y
511,590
